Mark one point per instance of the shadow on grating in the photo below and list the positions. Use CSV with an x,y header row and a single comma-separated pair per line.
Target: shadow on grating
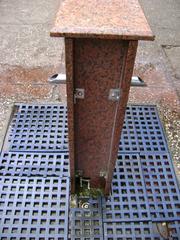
x,y
34,208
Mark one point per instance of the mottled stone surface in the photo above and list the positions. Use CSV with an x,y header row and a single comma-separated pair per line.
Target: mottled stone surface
x,y
98,67
95,122
118,19
70,109
97,60
124,85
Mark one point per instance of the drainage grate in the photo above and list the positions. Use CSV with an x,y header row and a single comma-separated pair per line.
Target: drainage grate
x,y
38,128
144,187
128,230
44,128
34,208
129,140
161,186
86,223
138,231
34,164
148,129
128,201
142,131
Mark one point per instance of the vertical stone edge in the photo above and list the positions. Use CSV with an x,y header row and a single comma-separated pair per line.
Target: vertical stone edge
x,y
69,48
121,108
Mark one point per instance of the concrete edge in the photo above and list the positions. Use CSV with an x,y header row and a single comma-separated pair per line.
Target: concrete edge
x,y
8,118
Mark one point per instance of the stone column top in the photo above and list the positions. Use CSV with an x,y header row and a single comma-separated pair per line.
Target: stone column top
x,y
110,19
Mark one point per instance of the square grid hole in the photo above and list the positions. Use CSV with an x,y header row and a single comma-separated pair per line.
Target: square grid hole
x,y
34,164
148,129
37,208
34,208
86,223
161,187
128,141
128,230
128,201
38,128
138,231
44,128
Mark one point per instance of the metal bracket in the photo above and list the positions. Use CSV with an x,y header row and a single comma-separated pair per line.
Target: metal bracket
x,y
137,82
79,94
84,182
114,94
58,78
83,202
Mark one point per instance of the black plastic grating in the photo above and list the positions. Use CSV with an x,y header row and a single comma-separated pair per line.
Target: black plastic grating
x,y
34,208
161,187
38,128
129,140
138,231
148,129
152,195
44,128
128,201
128,230
86,223
34,164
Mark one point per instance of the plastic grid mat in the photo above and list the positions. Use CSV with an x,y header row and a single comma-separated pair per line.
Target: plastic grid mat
x,y
44,128
34,164
133,200
34,208
161,187
149,130
128,201
86,223
38,128
144,187
129,140
138,231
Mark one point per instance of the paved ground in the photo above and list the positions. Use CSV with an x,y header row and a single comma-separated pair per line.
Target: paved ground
x,y
29,56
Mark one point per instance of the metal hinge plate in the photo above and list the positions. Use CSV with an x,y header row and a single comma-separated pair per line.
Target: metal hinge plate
x,y
79,93
114,94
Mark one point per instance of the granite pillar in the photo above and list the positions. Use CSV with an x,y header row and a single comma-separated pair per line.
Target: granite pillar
x,y
100,47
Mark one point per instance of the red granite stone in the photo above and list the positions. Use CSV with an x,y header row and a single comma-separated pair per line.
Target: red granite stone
x,y
95,122
117,19
70,109
124,85
101,42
